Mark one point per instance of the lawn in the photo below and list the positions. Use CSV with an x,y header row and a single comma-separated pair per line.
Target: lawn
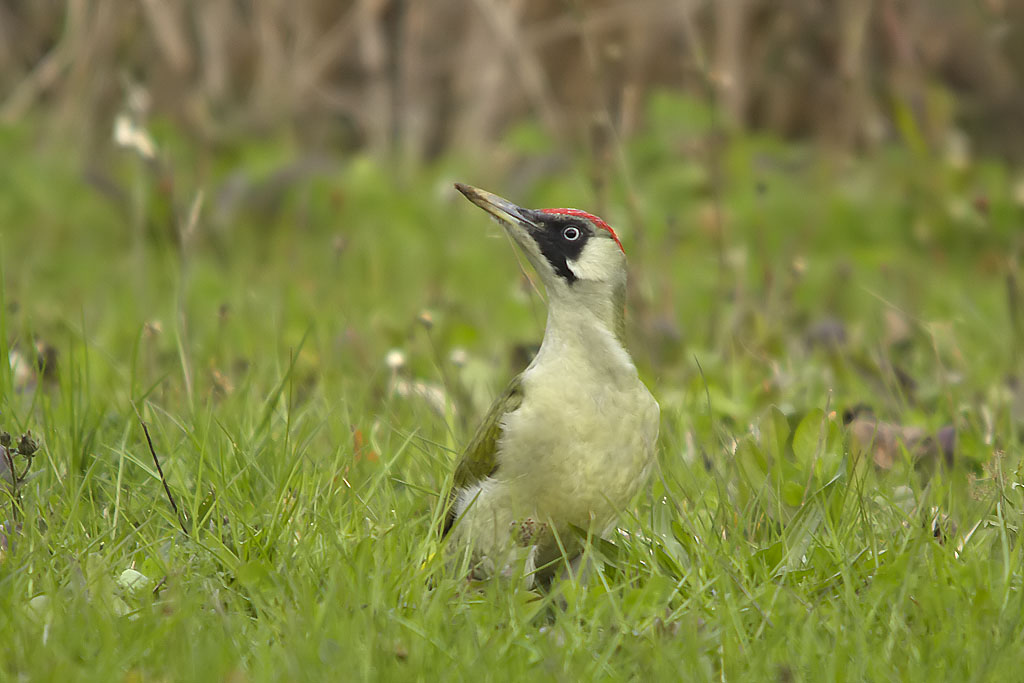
x,y
308,352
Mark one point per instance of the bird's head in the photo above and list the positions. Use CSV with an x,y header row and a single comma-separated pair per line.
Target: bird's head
x,y
576,254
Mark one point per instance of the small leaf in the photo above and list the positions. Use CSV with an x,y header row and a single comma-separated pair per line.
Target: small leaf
x,y
792,493
771,556
666,562
40,606
775,433
206,507
817,443
752,461
809,437
253,574
682,535
133,581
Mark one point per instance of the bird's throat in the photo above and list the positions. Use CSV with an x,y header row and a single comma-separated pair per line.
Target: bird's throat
x,y
588,325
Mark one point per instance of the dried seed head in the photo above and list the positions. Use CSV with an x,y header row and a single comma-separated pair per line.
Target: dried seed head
x,y
27,446
153,328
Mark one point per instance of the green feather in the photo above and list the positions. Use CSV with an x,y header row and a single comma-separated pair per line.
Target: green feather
x,y
619,311
480,459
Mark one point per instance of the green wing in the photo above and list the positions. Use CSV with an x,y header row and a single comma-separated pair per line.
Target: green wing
x,y
480,459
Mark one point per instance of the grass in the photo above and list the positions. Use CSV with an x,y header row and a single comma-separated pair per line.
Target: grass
x,y
306,467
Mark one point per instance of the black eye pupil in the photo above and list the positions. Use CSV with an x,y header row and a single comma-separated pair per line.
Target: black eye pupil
x,y
571,233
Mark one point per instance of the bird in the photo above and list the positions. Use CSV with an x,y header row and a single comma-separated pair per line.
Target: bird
x,y
572,438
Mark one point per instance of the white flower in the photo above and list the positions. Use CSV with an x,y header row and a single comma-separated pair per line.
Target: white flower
x,y
395,359
130,135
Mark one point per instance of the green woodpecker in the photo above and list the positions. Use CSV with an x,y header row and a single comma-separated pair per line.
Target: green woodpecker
x,y
572,438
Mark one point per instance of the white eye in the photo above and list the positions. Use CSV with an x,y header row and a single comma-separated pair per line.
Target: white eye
x,y
571,233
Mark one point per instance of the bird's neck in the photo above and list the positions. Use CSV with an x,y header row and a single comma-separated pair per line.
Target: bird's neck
x,y
588,325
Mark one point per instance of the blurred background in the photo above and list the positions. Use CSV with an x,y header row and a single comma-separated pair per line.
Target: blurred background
x,y
522,88
412,80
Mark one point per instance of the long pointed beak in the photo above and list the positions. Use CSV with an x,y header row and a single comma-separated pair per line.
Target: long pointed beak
x,y
502,209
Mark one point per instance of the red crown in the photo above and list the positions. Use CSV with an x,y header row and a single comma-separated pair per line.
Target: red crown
x,y
590,217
